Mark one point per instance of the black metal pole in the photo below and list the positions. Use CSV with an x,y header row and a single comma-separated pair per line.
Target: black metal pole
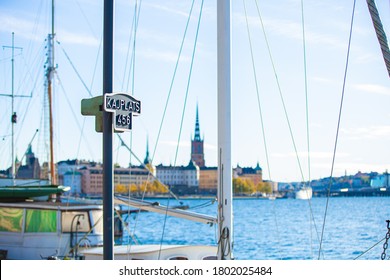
x,y
108,209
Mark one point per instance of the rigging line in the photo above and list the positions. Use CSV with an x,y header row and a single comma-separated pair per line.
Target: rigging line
x,y
143,165
281,95
311,217
96,62
132,61
261,118
81,128
172,81
74,68
188,84
132,67
257,92
338,126
128,44
183,113
35,27
306,91
133,57
86,19
286,114
369,249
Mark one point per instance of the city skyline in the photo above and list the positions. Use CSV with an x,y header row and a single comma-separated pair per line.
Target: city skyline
x,y
364,128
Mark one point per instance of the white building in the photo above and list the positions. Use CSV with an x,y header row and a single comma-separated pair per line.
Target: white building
x,y
73,180
179,175
381,181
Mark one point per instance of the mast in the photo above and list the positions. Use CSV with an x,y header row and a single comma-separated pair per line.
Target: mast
x,y
108,170
13,116
225,209
49,78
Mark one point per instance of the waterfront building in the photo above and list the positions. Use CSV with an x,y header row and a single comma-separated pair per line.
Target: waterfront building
x,y
381,181
32,169
181,179
253,174
208,180
92,180
73,179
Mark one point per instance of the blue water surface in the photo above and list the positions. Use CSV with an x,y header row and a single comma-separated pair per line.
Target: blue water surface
x,y
280,229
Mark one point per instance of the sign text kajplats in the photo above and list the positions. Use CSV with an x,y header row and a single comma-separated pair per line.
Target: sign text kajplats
x,y
124,106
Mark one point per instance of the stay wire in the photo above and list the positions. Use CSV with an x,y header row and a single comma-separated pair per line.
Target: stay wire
x,y
338,127
311,217
286,113
257,92
280,93
261,117
75,69
129,43
369,249
183,113
173,80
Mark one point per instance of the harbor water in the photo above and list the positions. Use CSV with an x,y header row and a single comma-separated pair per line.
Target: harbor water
x,y
278,229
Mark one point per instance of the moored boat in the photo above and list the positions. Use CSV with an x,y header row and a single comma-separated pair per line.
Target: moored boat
x,y
34,230
304,193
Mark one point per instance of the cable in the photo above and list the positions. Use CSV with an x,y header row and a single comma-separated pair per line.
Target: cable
x,y
182,117
338,127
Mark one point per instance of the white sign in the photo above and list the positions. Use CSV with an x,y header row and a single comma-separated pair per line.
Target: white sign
x,y
123,106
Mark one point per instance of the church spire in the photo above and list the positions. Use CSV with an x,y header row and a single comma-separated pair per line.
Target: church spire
x,y
197,154
147,157
197,130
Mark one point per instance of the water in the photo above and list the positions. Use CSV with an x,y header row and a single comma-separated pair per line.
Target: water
x,y
280,229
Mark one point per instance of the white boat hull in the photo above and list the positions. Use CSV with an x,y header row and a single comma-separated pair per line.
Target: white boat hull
x,y
154,252
304,193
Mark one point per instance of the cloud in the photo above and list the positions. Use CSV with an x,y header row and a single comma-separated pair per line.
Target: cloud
x,y
372,88
174,143
292,30
313,155
166,8
77,39
165,56
370,132
20,26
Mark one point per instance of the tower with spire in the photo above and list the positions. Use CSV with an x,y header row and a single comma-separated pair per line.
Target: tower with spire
x,y
148,161
197,153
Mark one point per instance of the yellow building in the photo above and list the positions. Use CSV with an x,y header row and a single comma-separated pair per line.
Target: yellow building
x,y
208,180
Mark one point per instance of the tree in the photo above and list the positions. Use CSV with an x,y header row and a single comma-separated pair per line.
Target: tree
x,y
120,188
242,186
264,187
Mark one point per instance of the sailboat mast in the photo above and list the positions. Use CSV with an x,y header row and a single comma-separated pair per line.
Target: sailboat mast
x,y
225,209
49,78
13,118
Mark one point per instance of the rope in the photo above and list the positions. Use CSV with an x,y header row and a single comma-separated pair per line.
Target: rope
x,y
338,127
380,33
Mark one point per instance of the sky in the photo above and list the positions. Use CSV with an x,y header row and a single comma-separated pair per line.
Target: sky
x,y
282,139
